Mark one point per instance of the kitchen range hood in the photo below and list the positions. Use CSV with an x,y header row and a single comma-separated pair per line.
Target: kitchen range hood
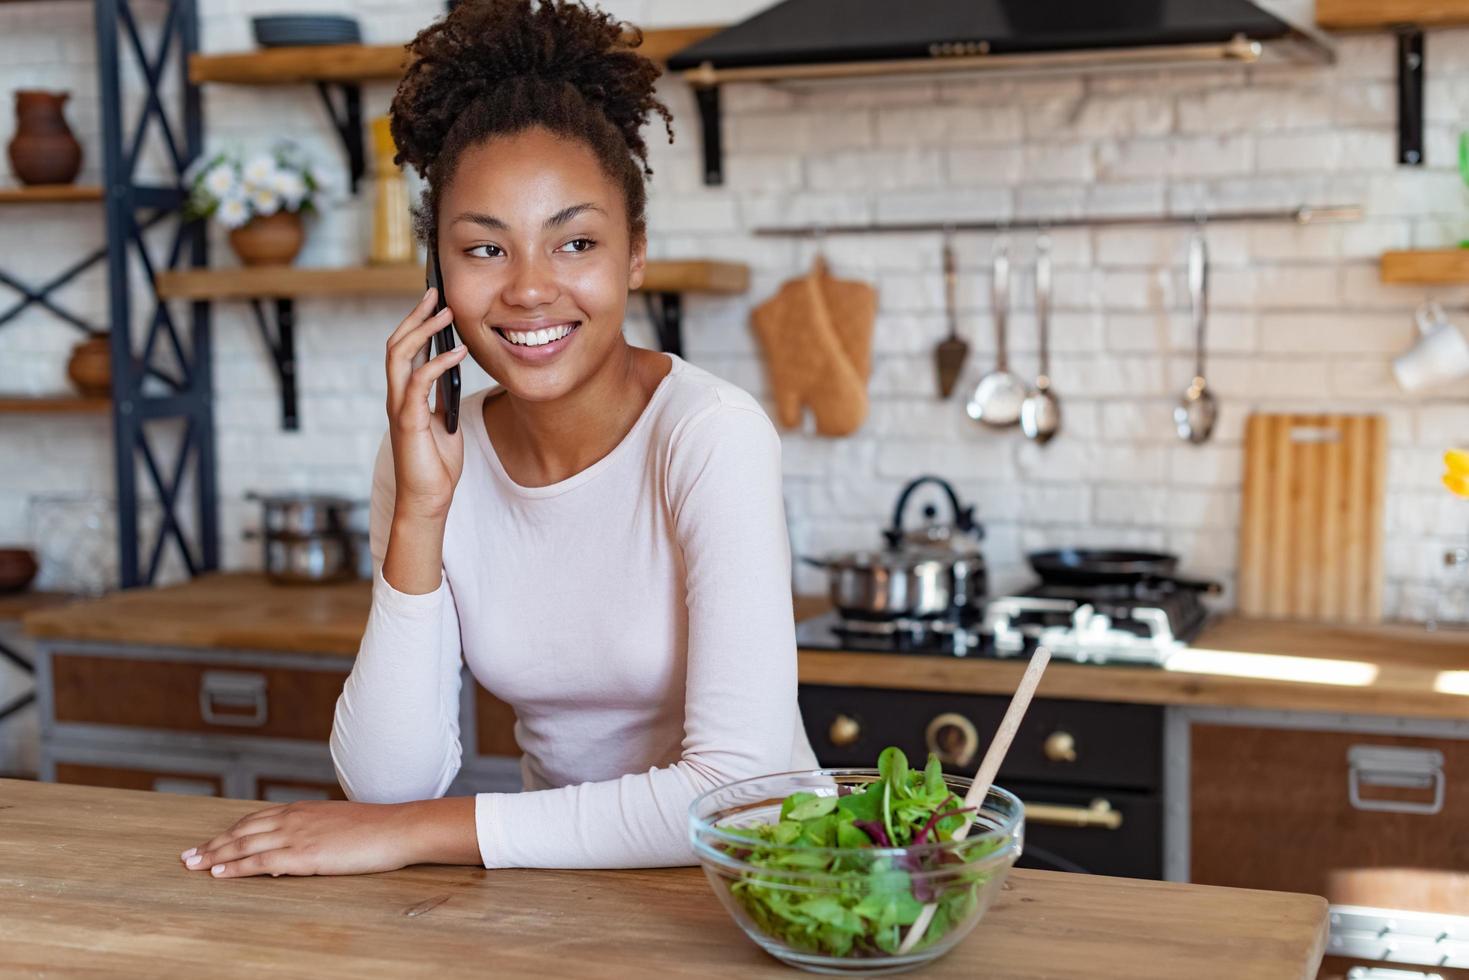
x,y
821,39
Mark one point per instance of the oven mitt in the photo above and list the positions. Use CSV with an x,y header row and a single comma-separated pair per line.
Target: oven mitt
x,y
816,336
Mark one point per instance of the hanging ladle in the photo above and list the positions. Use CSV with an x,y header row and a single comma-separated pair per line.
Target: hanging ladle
x,y
1196,412
989,767
1040,414
997,398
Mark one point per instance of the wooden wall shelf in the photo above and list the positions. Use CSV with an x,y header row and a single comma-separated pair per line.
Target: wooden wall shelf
x,y
1440,266
58,405
366,62
1363,15
291,282
42,193
664,284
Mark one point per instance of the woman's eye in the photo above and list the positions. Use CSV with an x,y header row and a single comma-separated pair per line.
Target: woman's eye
x,y
492,250
580,245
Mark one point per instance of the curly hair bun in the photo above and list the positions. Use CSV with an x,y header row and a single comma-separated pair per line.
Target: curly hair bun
x,y
517,55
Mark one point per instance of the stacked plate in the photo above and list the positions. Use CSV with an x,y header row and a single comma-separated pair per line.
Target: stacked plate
x,y
291,30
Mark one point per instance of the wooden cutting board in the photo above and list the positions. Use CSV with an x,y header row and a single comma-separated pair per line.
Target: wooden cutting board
x,y
1311,522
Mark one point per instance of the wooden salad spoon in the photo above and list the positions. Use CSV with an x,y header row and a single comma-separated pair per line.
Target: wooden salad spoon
x,y
988,768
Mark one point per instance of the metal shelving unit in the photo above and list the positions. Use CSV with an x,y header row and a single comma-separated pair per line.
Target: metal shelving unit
x,y
165,380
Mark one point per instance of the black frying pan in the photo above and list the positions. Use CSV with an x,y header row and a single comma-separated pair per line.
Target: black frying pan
x,y
1092,566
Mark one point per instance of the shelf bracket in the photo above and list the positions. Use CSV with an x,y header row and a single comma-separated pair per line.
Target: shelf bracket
x,y
1410,96
348,124
281,343
709,121
666,312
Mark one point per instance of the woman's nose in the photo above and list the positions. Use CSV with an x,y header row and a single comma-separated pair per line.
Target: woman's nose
x,y
532,283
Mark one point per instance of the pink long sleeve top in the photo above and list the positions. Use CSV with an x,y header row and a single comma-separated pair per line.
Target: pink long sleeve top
x,y
637,616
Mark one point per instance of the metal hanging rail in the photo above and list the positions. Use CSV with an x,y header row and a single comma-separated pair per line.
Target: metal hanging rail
x,y
1304,215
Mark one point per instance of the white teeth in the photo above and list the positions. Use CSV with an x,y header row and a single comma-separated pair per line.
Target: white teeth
x,y
538,338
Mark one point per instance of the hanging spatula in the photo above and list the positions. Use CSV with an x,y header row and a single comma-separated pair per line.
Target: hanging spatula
x,y
952,350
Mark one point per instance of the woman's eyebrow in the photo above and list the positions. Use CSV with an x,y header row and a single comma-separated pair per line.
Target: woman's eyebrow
x,y
559,218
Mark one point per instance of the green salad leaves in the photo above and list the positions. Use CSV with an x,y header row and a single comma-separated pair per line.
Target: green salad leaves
x,y
859,903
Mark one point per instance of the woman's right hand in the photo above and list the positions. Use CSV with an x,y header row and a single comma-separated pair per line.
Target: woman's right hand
x,y
427,458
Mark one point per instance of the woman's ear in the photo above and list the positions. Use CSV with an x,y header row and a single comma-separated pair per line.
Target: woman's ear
x,y
638,264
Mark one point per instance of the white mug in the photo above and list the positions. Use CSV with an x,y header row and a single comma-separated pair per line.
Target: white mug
x,y
1440,355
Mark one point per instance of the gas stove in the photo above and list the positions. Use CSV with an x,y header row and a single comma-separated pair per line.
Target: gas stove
x,y
1119,624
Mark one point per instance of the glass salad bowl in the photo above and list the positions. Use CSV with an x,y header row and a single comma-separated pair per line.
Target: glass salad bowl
x,y
847,909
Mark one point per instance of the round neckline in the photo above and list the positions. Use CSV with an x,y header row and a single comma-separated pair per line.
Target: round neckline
x,y
476,420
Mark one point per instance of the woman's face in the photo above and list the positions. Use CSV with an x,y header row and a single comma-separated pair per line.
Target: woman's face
x,y
534,245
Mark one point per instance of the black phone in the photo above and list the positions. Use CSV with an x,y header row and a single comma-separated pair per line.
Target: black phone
x,y
443,343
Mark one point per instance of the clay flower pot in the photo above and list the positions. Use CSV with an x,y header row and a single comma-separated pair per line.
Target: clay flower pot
x,y
43,150
273,240
90,367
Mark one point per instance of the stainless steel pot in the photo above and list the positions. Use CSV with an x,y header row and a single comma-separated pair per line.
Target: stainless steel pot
x,y
304,513
901,584
298,559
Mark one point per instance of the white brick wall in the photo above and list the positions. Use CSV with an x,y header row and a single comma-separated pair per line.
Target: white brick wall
x,y
1300,320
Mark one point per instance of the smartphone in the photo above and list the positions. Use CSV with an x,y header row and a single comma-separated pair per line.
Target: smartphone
x,y
444,342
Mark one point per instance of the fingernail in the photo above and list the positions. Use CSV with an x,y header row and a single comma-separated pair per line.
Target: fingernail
x,y
194,860
459,349
218,869
189,853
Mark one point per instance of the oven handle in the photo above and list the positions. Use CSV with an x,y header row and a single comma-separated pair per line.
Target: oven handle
x,y
1098,815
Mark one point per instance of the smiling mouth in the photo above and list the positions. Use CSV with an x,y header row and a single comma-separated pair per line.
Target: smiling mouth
x,y
539,338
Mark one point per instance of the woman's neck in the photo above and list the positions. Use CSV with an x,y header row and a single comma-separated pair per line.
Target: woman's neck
x,y
542,443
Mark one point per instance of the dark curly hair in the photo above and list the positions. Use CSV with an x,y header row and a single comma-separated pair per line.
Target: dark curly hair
x,y
499,67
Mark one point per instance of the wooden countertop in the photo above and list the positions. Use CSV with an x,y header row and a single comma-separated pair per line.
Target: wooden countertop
x,y
1383,670
101,891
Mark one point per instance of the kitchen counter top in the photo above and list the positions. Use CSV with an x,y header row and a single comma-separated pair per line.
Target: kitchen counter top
x,y
1393,670
101,891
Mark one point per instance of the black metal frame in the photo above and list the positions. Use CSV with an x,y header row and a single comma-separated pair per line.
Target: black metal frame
x,y
140,408
26,666
348,125
666,312
710,115
1410,96
281,343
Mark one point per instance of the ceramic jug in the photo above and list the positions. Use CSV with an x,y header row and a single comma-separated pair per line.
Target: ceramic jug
x,y
43,151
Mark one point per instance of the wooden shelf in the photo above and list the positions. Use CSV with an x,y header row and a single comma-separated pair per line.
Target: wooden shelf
x,y
288,282
1440,266
367,62
59,405
1359,15
41,193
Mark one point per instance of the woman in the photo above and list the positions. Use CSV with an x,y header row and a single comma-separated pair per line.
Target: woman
x,y
604,538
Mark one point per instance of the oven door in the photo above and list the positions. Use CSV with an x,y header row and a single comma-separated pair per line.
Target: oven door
x,y
1112,832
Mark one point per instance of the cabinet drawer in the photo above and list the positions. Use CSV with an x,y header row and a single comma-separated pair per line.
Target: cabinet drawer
x,y
192,697
126,777
1059,742
278,790
494,722
1362,819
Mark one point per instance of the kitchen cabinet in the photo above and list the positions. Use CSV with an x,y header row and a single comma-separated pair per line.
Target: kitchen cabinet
x,y
1372,815
242,724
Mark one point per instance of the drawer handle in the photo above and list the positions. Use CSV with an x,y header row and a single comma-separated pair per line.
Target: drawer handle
x,y
1099,815
228,689
1401,768
844,731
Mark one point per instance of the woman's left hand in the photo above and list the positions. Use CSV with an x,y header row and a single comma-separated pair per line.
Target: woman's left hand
x,y
312,837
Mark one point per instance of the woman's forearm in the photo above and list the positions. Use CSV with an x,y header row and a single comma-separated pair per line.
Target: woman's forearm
x,y
414,561
441,831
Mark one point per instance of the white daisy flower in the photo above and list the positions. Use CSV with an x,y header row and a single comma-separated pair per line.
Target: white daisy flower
x,y
290,187
233,212
259,171
220,181
264,201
